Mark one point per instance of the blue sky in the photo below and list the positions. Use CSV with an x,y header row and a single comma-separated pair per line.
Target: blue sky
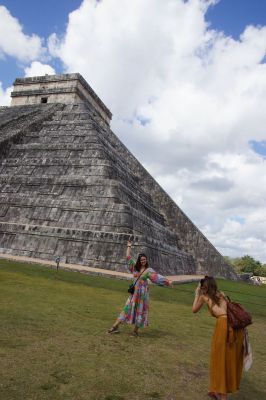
x,y
203,134
37,17
231,16
43,17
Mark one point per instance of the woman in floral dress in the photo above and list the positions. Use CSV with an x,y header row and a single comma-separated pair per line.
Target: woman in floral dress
x,y
135,311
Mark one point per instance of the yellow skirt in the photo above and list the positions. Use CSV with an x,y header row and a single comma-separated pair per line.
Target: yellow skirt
x,y
226,362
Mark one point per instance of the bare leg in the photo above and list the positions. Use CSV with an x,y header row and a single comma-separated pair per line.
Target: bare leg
x,y
114,328
223,397
117,323
136,330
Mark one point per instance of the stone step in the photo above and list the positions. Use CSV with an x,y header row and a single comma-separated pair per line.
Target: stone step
x,y
71,214
82,123
55,137
18,199
71,190
70,162
59,146
103,191
85,246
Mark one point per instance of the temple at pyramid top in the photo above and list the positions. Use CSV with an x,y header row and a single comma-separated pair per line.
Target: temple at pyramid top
x,y
65,89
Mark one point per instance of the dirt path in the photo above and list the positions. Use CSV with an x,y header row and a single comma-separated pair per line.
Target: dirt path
x,y
94,271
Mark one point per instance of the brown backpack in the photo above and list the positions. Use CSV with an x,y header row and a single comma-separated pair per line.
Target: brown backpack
x,y
237,316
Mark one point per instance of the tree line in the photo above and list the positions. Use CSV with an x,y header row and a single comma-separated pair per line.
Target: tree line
x,y
247,264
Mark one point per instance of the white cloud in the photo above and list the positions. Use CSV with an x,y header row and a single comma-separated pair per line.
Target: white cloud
x,y
14,43
5,98
186,100
38,69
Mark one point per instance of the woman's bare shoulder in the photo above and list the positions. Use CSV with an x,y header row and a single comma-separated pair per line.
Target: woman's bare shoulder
x,y
222,295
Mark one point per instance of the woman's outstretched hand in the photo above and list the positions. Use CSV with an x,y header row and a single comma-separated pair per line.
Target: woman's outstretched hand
x,y
171,285
129,243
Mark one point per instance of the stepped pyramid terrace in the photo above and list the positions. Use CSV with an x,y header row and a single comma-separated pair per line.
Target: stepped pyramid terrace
x,y
70,188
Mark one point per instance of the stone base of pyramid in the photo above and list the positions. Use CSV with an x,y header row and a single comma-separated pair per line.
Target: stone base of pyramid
x,y
176,279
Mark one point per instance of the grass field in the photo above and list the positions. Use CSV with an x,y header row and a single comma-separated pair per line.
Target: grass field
x,y
53,341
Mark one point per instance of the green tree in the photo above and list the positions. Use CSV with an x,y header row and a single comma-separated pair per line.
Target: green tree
x,y
261,271
248,264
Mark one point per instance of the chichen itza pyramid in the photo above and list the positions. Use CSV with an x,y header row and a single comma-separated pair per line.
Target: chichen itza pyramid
x,y
70,188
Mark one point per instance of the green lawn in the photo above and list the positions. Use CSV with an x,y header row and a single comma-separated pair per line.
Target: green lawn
x,y
53,341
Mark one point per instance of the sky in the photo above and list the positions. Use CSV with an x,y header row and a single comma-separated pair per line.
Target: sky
x,y
186,83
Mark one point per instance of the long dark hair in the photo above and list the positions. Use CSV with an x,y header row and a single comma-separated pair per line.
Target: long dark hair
x,y
137,266
209,287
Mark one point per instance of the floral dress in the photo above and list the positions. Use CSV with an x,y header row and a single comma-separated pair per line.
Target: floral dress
x,y
136,308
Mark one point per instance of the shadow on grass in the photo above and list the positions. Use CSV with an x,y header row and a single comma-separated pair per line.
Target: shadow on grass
x,y
114,397
246,389
157,334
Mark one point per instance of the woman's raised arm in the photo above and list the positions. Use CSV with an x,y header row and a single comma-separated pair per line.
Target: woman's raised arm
x,y
130,260
128,253
198,300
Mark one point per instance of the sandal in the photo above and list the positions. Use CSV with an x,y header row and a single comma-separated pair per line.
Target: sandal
x,y
114,329
213,395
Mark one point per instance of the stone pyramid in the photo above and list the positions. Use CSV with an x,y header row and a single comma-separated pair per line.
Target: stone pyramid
x,y
70,188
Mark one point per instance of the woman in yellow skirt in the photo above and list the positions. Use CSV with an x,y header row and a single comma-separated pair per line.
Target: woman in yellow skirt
x,y
227,348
